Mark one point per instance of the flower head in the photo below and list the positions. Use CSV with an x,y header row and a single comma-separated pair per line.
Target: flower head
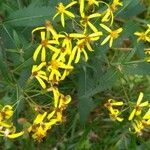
x,y
112,36
61,9
138,107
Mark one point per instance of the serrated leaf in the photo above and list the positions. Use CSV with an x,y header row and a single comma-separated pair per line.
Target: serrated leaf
x,y
30,16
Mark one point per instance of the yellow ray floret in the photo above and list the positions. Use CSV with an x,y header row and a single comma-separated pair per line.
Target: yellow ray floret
x,y
61,9
45,43
113,34
39,74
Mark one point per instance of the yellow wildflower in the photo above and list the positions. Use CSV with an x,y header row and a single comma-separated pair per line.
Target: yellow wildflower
x,y
114,114
49,28
112,102
61,9
110,10
138,108
60,103
115,4
143,36
39,74
137,127
40,127
55,67
93,2
113,35
77,50
9,131
6,112
87,39
85,21
42,47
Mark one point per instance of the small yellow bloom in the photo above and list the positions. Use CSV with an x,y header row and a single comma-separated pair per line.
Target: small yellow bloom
x,y
112,102
85,21
76,52
143,36
87,39
49,28
110,10
55,67
39,74
115,4
42,47
138,108
137,127
6,113
93,2
113,34
114,115
61,9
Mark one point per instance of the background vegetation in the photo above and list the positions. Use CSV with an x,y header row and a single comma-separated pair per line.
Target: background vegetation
x,y
118,73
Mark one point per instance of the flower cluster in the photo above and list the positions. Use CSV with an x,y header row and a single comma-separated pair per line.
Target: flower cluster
x,y
139,116
58,51
7,129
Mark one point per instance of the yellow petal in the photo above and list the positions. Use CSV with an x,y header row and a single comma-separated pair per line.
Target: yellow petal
x,y
81,6
40,66
15,135
40,118
68,13
50,115
140,98
147,115
94,15
92,26
111,42
37,52
77,57
38,28
105,40
43,55
85,55
144,104
42,36
62,20
105,27
41,82
71,4
132,114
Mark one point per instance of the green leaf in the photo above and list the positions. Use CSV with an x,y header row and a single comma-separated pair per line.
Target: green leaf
x,y
30,16
130,8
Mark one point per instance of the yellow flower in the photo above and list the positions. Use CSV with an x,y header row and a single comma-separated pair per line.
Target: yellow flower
x,y
143,36
76,52
138,108
110,10
112,102
137,127
114,114
93,2
6,112
115,4
49,28
42,47
85,21
39,74
61,9
113,35
55,67
87,39
60,103
40,127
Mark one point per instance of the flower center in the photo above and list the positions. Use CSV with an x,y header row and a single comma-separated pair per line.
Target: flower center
x,y
114,34
54,64
44,43
61,8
